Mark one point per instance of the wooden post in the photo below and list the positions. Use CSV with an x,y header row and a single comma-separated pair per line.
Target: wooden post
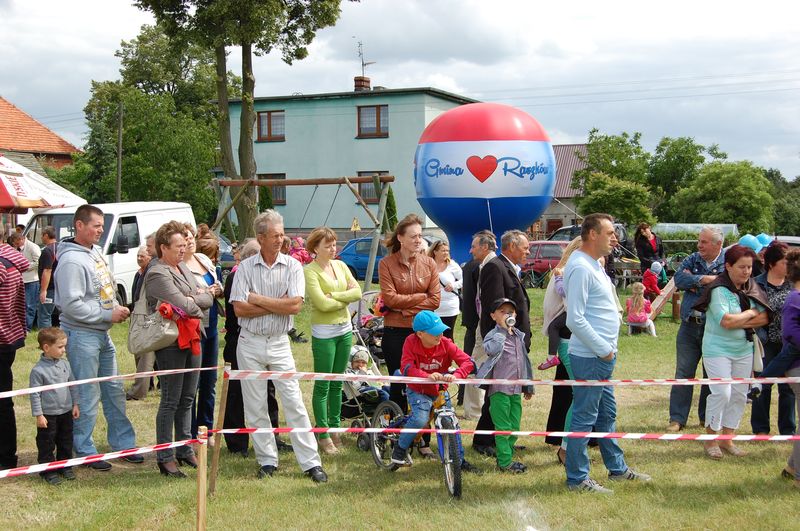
x,y
676,306
202,464
223,403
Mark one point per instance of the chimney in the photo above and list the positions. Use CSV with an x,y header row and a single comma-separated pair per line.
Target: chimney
x,y
361,83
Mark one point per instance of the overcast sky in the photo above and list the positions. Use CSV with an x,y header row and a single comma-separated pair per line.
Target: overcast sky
x,y
721,72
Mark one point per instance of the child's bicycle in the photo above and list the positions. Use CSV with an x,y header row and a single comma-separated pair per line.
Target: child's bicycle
x,y
389,415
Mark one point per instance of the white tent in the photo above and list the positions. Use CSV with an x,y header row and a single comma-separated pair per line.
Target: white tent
x,y
21,188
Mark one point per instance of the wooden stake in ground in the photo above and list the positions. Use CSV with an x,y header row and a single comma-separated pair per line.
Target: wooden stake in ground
x,y
223,403
202,464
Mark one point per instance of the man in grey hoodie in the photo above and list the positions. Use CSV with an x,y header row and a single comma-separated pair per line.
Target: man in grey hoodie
x,y
85,295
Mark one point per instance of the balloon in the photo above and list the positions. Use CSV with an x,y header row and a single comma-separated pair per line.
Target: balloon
x,y
483,166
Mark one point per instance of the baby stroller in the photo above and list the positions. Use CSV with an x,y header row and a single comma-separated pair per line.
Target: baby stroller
x,y
367,324
359,399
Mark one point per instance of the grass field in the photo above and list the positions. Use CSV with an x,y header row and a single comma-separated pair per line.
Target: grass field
x,y
688,491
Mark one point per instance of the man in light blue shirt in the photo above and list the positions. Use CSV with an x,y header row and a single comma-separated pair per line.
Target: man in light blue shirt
x,y
593,319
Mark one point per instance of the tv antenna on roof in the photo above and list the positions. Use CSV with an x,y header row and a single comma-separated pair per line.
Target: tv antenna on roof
x,y
364,63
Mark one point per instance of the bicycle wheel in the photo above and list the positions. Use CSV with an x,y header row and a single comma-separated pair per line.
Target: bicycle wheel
x,y
450,459
387,415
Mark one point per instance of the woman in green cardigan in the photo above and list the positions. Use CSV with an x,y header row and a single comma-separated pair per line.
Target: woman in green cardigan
x,y
329,287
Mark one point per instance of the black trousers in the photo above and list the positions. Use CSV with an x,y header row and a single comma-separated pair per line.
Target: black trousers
x,y
8,421
392,345
57,436
469,346
484,423
234,410
451,322
559,405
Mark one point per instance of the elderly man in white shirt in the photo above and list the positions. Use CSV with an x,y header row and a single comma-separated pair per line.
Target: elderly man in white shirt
x,y
267,292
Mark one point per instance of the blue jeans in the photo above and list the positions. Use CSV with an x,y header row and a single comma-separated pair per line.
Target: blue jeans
x,y
92,354
203,408
688,351
45,315
592,407
421,405
31,303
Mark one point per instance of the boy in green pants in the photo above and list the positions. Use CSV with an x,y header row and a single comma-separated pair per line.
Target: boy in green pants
x,y
507,358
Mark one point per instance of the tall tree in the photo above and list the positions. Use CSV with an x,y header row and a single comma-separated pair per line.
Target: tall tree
x,y
625,200
729,192
621,156
257,26
674,164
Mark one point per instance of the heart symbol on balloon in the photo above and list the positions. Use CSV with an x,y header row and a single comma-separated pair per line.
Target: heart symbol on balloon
x,y
482,168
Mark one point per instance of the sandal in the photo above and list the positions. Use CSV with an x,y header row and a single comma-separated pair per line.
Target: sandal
x,y
733,450
425,452
562,456
713,452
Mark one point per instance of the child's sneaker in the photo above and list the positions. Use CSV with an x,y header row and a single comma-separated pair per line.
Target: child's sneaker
x,y
548,363
400,456
514,468
68,473
466,466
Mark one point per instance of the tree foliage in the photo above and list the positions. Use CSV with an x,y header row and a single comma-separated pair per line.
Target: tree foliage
x,y
257,26
729,192
674,164
620,156
625,200
390,214
787,203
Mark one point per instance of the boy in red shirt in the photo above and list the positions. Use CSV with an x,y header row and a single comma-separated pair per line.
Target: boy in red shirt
x,y
428,354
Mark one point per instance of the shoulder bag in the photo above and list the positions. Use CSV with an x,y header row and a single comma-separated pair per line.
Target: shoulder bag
x,y
149,332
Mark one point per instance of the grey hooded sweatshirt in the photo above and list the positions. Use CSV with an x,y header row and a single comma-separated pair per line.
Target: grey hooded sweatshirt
x,y
85,287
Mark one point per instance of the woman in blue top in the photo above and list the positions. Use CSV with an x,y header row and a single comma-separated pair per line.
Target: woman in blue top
x,y
734,306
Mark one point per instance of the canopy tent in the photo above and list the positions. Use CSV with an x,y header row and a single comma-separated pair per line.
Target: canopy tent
x,y
21,189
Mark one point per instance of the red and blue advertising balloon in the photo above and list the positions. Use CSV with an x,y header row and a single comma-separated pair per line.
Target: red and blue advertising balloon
x,y
483,166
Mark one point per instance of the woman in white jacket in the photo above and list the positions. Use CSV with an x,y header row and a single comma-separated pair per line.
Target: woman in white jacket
x,y
451,279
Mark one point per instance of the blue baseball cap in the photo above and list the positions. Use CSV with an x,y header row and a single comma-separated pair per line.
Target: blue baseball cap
x,y
764,239
427,321
748,240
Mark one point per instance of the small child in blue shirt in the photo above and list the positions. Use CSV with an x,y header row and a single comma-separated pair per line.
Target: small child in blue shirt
x,y
508,359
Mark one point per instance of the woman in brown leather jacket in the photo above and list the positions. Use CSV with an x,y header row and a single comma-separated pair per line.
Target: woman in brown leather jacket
x,y
409,284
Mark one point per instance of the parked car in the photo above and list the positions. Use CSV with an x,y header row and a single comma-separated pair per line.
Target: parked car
x,y
543,256
791,241
125,226
355,254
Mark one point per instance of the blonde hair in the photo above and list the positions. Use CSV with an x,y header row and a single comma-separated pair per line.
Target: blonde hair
x,y
568,250
637,297
433,248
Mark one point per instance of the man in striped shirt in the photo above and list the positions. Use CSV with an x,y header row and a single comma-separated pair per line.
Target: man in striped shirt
x,y
267,292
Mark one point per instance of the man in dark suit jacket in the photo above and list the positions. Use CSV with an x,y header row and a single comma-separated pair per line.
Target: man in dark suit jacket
x,y
499,279
483,244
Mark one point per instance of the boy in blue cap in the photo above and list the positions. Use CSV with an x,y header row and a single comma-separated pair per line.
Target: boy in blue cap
x,y
428,354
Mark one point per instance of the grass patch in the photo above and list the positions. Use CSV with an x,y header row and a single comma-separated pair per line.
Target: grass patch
x,y
688,490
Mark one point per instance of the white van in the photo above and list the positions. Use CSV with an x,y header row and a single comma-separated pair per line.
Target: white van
x,y
125,227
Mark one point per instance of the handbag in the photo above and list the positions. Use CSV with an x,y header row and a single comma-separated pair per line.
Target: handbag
x,y
758,354
149,332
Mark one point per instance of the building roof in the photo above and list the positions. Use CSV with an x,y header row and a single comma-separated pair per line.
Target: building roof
x,y
567,163
376,91
25,159
20,132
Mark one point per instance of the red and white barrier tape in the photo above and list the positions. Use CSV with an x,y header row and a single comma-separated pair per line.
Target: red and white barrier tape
x,y
55,465
569,434
294,375
132,376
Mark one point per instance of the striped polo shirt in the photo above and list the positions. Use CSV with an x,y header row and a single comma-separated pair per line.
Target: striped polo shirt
x,y
283,278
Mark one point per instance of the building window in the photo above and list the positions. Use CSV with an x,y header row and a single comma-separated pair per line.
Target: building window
x,y
373,121
278,192
271,126
367,191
